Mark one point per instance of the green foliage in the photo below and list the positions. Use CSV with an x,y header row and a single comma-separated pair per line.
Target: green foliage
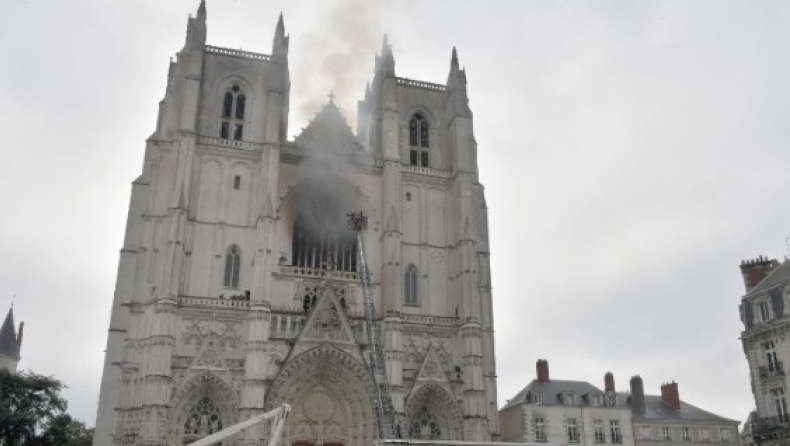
x,y
32,412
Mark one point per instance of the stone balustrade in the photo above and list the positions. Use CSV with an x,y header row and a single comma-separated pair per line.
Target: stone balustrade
x,y
421,84
317,273
237,53
232,143
214,302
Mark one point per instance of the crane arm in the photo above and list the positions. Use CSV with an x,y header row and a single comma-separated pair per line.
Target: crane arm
x,y
280,416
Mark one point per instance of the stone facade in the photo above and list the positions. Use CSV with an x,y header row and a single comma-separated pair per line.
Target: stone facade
x,y
766,344
238,283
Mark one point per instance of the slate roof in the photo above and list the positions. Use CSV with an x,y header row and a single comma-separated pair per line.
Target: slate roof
x,y
551,390
778,276
657,409
8,344
329,132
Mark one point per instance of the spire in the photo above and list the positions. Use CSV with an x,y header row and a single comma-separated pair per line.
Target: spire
x,y
457,77
196,28
387,60
9,346
201,14
280,44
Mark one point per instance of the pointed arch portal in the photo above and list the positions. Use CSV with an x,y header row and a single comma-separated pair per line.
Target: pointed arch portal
x,y
330,396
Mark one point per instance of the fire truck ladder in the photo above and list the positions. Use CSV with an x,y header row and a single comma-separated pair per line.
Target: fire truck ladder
x,y
385,411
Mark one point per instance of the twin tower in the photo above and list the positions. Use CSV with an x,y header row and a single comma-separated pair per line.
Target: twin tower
x,y
238,283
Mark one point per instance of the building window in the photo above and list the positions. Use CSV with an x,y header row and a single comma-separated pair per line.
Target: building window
x,y
666,433
647,433
780,405
408,196
539,429
232,122
770,356
600,434
724,435
762,310
537,398
685,432
418,140
232,266
614,431
237,182
704,434
573,430
610,400
411,284
204,419
322,240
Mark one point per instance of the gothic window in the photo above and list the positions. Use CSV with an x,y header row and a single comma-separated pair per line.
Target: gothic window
x,y
326,244
411,285
232,266
232,123
424,426
204,419
418,140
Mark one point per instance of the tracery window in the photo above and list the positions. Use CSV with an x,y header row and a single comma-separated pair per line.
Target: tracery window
x,y
323,245
424,425
232,266
418,140
232,123
411,285
204,419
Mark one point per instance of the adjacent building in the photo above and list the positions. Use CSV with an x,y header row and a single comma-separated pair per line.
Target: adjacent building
x,y
765,313
238,285
566,412
667,419
10,342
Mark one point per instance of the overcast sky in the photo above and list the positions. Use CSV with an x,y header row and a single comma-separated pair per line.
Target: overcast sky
x,y
633,153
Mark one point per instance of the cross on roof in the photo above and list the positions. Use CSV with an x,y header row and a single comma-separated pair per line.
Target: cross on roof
x,y
331,96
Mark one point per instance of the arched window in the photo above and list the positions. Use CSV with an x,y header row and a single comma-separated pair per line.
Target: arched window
x,y
411,286
232,123
418,140
232,266
326,245
204,419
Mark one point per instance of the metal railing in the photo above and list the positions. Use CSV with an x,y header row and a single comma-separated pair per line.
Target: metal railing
x,y
771,370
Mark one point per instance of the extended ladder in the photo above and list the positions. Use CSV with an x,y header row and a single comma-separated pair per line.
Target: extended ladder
x,y
385,411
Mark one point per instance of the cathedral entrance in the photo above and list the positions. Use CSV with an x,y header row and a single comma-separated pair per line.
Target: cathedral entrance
x,y
330,396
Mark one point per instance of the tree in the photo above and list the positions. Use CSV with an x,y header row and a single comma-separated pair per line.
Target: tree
x,y
32,412
28,403
64,430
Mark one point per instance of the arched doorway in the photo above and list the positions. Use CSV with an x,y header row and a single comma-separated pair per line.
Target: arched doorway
x,y
330,396
203,405
433,414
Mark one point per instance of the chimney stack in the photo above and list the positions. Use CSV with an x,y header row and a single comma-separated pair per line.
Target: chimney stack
x,y
670,395
637,395
608,382
543,370
755,270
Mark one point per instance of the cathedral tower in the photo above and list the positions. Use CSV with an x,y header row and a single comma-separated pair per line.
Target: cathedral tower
x,y
238,283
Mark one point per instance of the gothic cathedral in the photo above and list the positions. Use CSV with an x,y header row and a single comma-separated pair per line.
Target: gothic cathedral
x,y
239,285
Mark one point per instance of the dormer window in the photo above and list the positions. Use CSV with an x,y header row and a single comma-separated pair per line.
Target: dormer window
x,y
418,140
232,122
763,313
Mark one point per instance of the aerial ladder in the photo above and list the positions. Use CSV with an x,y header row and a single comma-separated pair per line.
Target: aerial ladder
x,y
385,411
278,416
